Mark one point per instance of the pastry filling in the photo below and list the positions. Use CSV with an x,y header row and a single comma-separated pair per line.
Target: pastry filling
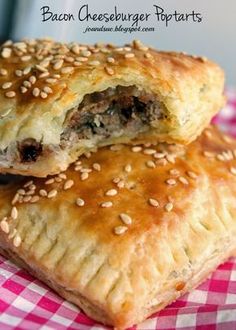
x,y
113,112
102,115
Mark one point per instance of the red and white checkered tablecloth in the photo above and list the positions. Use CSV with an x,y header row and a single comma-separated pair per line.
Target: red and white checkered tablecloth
x,y
27,304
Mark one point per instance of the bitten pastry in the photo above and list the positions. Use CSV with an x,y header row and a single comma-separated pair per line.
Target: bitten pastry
x,y
58,101
127,230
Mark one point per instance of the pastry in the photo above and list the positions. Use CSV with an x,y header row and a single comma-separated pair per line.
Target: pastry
x,y
127,230
58,101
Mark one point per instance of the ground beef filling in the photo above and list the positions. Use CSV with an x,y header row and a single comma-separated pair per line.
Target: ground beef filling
x,y
113,112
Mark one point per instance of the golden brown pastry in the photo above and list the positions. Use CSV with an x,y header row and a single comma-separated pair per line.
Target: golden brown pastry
x,y
126,231
61,100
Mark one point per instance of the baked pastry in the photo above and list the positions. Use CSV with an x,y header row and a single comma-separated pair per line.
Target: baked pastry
x,y
61,100
126,231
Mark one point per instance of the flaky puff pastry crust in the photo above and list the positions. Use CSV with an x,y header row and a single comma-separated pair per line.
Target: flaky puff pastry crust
x,y
122,241
43,80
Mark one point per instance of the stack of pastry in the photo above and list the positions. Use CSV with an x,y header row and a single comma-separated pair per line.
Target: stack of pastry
x,y
130,195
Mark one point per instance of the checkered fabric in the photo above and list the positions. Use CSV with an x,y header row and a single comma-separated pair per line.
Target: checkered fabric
x,y
27,304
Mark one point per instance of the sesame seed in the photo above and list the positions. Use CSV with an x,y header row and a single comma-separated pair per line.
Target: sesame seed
x,y
153,202
14,213
109,70
44,74
127,49
28,183
3,72
80,202
23,89
25,58
147,55
110,60
68,69
120,184
15,198
94,63
50,181
57,179
171,182
97,167
6,52
174,172
26,84
183,180
149,151
43,95
125,218
150,164
161,162
111,192
62,176
128,168
137,149
47,89
226,139
40,68
220,157
192,174
116,147
85,170
43,193
78,168
68,184
208,154
10,94
30,192
233,170
17,241
106,204
87,154
129,55
169,206
52,193
119,230
6,85
27,199
75,49
27,70
12,234
76,63
34,199
116,180
120,49
19,73
81,59
84,176
5,226
58,64
158,155
170,159
36,92
51,80
21,191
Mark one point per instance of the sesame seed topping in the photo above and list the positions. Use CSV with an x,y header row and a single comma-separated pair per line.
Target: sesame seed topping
x,y
129,55
116,147
110,60
158,155
85,170
111,192
47,90
50,181
136,149
52,193
80,202
119,230
183,180
149,151
6,52
12,234
3,72
125,218
15,198
226,139
44,74
147,55
34,199
6,85
14,213
10,94
106,204
19,73
27,70
150,164
23,89
120,184
40,68
153,202
170,159
36,92
128,168
97,167
25,58
26,84
84,176
161,162
94,63
109,70
192,174
43,95
17,241
233,170
68,184
27,199
68,69
62,176
208,154
51,80
174,172
116,180
171,182
43,193
4,226
169,206
58,64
